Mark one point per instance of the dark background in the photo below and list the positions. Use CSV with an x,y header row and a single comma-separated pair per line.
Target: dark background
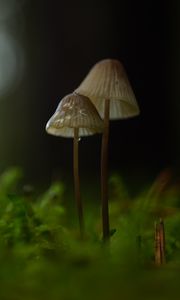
x,y
62,40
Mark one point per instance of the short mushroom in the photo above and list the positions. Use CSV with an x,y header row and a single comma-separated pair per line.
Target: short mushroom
x,y
75,117
109,89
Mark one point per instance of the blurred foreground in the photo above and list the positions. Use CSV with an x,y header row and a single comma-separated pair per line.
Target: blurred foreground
x,y
42,257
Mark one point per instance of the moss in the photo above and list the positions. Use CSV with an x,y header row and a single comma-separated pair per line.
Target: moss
x,y
42,257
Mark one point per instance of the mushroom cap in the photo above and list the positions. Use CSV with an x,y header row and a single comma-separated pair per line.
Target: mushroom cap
x,y
108,80
75,111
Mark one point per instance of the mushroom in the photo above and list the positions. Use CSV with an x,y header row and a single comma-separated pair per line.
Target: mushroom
x,y
75,116
109,89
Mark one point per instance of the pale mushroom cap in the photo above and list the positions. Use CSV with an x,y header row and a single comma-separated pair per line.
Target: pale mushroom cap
x,y
75,111
108,80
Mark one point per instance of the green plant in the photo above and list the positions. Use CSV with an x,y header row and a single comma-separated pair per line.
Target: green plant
x,y
41,257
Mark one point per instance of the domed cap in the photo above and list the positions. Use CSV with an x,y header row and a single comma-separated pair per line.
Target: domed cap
x,y
75,111
108,80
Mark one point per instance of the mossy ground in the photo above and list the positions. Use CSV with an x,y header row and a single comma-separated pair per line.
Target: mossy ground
x,y
42,256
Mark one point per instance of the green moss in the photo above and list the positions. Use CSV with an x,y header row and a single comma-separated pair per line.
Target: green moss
x,y
42,257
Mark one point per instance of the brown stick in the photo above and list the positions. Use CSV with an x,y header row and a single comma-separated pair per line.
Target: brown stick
x,y
104,173
159,243
77,181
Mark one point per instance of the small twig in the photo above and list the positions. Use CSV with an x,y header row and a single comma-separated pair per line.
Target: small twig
x,y
159,243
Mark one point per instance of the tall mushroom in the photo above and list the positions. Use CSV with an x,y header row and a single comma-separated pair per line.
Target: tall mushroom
x,y
109,89
75,117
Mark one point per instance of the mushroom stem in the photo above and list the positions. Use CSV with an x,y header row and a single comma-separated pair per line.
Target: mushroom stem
x,y
77,181
104,173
